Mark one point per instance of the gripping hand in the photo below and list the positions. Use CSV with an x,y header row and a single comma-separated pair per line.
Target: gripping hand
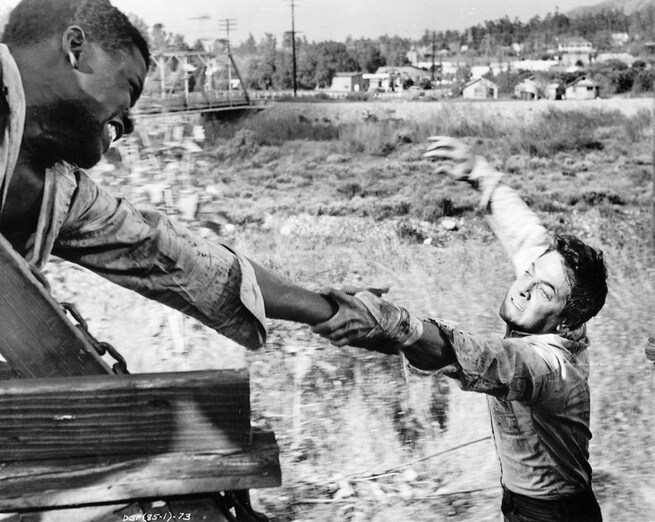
x,y
364,320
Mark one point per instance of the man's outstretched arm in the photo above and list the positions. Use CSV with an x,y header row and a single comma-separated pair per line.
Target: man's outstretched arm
x,y
286,300
506,368
366,321
515,225
147,252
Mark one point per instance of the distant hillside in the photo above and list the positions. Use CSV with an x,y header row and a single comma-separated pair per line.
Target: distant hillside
x,y
628,7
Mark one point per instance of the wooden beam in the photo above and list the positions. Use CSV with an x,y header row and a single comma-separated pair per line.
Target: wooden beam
x,y
37,338
86,481
108,415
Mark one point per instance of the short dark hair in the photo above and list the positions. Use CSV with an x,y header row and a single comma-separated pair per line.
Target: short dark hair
x,y
32,21
587,276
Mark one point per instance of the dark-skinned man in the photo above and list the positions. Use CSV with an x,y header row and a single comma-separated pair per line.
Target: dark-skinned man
x,y
70,71
535,376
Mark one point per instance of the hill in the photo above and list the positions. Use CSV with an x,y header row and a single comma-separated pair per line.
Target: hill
x,y
628,7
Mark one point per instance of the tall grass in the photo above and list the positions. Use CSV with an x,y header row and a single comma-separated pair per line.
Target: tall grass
x,y
549,132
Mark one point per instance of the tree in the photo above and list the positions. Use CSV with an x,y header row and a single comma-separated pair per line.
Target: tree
x,y
394,50
366,53
331,57
247,47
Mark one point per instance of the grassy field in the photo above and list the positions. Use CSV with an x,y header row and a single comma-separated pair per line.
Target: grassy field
x,y
333,194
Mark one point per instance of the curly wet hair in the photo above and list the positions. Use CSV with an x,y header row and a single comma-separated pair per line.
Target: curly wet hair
x,y
587,276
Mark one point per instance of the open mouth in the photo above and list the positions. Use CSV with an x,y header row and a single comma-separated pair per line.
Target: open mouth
x,y
115,130
516,305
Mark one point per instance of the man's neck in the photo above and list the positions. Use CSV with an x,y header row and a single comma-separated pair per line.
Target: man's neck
x,y
20,212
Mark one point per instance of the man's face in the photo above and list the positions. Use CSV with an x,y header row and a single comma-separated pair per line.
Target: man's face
x,y
534,302
80,126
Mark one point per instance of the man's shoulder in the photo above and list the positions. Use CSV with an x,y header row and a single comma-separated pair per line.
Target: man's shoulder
x,y
559,352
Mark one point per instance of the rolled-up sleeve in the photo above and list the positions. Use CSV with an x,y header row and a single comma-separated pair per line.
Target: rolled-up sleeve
x,y
147,252
509,369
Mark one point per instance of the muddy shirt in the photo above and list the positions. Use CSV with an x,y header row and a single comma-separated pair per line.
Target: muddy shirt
x,y
536,385
143,251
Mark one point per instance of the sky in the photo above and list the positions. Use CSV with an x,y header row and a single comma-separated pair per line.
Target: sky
x,y
319,20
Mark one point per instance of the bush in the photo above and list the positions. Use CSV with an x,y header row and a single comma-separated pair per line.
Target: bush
x,y
640,125
375,137
556,131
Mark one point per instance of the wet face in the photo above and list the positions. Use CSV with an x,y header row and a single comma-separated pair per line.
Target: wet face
x,y
80,126
535,301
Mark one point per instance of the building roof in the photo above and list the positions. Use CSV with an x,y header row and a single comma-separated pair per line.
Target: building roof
x,y
574,41
584,81
406,70
347,74
483,80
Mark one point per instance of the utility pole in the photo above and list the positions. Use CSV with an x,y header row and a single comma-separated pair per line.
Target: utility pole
x,y
293,45
227,24
434,48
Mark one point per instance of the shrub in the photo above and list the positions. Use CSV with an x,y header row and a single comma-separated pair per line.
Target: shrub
x,y
640,125
556,131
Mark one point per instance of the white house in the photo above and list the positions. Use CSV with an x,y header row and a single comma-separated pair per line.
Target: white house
x,y
574,51
582,89
533,88
480,89
348,82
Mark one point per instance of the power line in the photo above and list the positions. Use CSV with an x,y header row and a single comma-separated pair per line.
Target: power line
x,y
293,45
227,24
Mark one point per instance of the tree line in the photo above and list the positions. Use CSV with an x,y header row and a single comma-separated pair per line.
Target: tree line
x,y
267,64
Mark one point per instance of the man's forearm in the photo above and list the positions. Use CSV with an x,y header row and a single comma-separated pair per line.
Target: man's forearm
x,y
432,351
285,300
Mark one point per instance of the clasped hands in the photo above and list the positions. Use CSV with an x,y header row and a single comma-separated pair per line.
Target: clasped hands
x,y
365,320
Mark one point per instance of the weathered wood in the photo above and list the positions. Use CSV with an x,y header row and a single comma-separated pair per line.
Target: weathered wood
x,y
37,339
124,415
84,481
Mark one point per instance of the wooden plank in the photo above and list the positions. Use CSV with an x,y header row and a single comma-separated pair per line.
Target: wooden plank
x,y
124,415
86,481
37,338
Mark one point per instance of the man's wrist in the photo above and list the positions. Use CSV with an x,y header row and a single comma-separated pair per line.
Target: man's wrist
x,y
395,324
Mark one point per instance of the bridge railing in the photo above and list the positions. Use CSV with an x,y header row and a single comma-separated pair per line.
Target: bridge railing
x,y
177,102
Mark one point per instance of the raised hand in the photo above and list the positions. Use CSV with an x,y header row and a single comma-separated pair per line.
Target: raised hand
x,y
456,158
463,165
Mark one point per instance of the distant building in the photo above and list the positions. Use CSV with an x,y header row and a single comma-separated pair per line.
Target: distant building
x,y
382,82
574,51
620,39
535,89
348,82
392,79
495,68
582,89
480,89
533,65
626,58
405,73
